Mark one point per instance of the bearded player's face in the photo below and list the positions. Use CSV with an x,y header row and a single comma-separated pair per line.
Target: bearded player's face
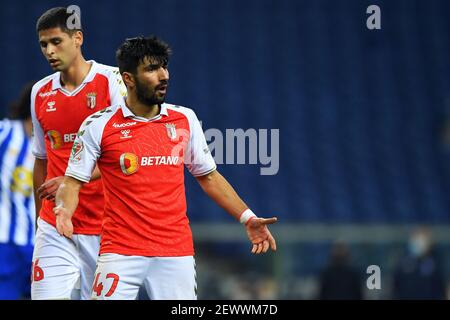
x,y
59,48
152,80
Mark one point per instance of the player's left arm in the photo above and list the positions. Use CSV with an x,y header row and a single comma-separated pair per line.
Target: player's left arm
x,y
218,189
201,165
82,161
66,203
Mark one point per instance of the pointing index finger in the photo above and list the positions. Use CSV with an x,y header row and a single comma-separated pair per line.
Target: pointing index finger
x,y
270,220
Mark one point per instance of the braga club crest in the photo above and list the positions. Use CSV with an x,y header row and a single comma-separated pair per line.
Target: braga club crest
x,y
171,131
91,99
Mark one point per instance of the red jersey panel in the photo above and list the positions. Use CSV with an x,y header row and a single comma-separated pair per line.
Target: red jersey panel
x,y
142,166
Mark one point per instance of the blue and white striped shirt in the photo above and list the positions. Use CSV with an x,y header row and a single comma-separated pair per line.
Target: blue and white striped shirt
x,y
17,211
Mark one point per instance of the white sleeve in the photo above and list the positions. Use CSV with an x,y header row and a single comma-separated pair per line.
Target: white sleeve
x,y
199,160
38,138
117,88
85,151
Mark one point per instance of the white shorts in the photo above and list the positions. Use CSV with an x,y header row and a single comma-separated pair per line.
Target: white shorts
x,y
62,268
120,277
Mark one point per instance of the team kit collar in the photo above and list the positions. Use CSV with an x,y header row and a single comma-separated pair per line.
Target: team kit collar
x,y
127,113
56,83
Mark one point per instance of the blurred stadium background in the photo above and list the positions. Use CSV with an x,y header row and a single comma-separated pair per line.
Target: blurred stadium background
x,y
363,118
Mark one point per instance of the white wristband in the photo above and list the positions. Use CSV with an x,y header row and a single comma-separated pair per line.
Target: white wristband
x,y
246,216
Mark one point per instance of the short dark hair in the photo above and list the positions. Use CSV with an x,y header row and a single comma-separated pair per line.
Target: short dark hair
x,y
20,109
134,50
54,18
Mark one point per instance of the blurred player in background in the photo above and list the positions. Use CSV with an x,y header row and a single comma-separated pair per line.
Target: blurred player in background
x,y
59,104
141,148
339,280
16,200
419,274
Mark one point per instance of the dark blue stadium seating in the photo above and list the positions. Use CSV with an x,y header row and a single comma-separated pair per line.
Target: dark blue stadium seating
x,y
360,112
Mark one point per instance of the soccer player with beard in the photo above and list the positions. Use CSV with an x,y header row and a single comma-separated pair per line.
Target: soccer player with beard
x,y
141,148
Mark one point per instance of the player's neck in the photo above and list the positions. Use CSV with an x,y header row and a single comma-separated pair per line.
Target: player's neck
x,y
75,74
140,109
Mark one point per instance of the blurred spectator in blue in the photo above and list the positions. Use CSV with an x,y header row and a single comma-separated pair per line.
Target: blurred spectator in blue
x,y
17,213
339,280
419,274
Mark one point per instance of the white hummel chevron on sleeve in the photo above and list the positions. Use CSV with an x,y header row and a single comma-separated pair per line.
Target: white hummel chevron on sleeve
x,y
38,138
86,147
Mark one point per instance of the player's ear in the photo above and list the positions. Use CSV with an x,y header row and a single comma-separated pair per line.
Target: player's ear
x,y
128,79
78,38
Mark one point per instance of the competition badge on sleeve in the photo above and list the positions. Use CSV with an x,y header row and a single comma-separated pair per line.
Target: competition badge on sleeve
x,y
77,149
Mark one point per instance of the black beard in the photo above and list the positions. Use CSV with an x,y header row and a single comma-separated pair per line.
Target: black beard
x,y
147,97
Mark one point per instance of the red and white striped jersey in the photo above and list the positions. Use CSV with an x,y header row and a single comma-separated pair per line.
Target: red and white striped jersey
x,y
57,115
142,165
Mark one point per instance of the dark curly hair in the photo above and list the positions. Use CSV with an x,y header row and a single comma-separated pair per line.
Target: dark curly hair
x,y
134,50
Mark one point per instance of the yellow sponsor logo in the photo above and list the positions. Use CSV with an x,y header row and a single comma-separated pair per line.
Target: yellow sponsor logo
x,y
56,141
129,163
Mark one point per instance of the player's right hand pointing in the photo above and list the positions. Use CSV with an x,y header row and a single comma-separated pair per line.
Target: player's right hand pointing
x,y
64,224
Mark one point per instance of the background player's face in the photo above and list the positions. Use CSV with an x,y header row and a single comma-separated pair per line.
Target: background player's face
x,y
152,79
59,48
